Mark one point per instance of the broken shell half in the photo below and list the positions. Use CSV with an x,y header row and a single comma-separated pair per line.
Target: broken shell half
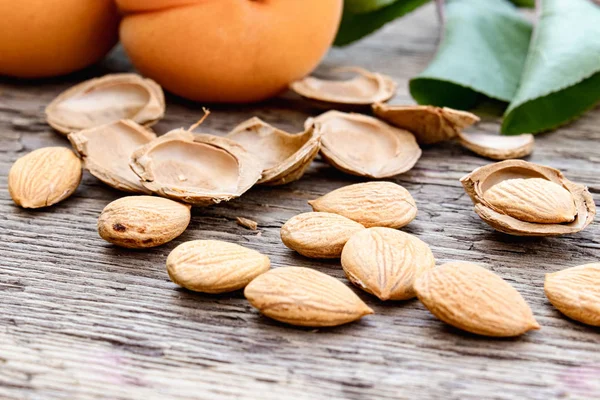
x,y
284,156
364,89
365,146
497,147
100,101
503,192
106,150
429,124
198,169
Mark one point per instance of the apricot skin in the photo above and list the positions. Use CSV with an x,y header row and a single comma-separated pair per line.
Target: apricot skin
x,y
235,51
42,38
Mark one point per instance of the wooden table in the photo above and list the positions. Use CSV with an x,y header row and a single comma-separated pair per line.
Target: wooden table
x,y
81,318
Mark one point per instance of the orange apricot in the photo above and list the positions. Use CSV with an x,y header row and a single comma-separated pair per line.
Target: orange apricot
x,y
41,38
234,51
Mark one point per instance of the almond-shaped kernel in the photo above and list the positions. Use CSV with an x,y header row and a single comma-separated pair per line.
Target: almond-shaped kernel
x,y
139,222
318,234
484,179
363,89
365,146
386,262
474,299
576,292
533,200
284,156
429,124
104,100
370,204
44,177
214,266
106,150
304,297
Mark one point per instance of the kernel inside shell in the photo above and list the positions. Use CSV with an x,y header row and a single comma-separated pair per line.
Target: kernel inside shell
x,y
534,201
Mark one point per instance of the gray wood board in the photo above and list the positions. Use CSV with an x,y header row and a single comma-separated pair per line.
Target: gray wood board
x,y
82,319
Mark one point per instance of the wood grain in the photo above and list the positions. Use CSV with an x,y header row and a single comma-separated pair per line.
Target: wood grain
x,y
82,319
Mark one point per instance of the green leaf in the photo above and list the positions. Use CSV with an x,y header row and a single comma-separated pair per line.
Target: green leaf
x,y
482,55
362,17
524,3
561,79
356,25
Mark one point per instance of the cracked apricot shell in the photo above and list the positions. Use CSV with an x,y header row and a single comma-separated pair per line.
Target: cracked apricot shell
x,y
365,146
198,169
364,88
105,151
284,156
507,219
104,100
497,147
429,124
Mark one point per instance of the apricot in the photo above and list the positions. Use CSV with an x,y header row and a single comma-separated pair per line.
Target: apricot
x,y
41,38
227,50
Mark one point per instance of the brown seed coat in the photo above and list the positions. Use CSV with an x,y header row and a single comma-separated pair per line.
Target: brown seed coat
x,y
576,292
386,262
474,299
305,297
44,177
143,221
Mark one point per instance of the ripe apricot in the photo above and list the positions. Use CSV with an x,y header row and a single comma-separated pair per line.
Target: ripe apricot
x,y
227,50
41,38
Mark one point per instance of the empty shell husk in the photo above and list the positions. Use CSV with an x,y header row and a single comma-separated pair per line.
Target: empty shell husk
x,y
106,151
528,197
497,147
198,169
284,156
429,124
365,146
362,90
104,100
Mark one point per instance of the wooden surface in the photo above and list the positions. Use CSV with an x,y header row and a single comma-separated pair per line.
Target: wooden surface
x,y
82,319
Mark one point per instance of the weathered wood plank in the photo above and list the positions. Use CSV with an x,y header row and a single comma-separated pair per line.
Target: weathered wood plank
x,y
83,319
